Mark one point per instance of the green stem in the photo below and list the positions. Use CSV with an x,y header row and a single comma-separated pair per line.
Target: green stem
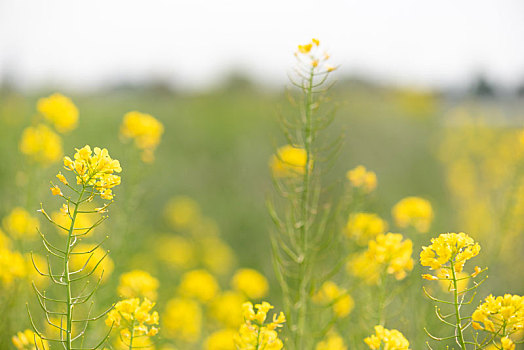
x,y
302,302
460,336
132,335
67,280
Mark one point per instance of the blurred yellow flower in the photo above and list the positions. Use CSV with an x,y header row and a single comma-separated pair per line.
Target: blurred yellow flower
x,y
255,333
289,162
365,226
250,282
388,253
41,144
391,339
26,341
332,295
20,224
413,211
138,284
333,341
175,251
59,110
221,340
216,255
198,284
452,248
12,266
96,256
227,308
182,212
145,130
362,178
182,320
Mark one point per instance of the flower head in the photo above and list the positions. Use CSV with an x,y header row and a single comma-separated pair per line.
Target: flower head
x,y
59,110
20,224
138,283
331,294
145,129
413,211
41,144
365,226
250,282
255,331
289,162
360,177
199,284
449,249
502,315
389,339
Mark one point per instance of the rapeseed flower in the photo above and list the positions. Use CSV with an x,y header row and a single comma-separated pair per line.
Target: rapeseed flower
x,y
216,255
289,161
12,267
59,110
20,224
41,144
182,319
502,315
388,253
175,251
415,212
254,333
365,226
333,341
387,339
449,249
146,131
137,283
226,308
96,170
250,282
182,212
360,177
198,284
330,294
26,341
221,340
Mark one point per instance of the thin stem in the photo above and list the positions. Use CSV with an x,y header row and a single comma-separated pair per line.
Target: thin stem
x,y
132,335
458,329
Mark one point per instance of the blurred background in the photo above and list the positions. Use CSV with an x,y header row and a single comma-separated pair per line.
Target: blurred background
x,y
430,96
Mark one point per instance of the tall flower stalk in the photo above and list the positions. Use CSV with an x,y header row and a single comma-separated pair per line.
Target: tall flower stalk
x,y
95,174
302,226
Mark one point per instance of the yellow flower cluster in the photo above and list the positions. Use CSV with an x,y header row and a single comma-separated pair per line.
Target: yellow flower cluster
x,y
289,162
59,110
254,333
502,315
331,294
226,308
182,212
452,248
26,341
199,284
365,226
20,224
415,212
136,284
221,340
387,339
362,178
250,282
388,253
310,51
96,170
41,144
135,319
333,341
182,319
145,130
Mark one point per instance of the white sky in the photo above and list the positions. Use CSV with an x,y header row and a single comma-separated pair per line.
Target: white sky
x,y
193,42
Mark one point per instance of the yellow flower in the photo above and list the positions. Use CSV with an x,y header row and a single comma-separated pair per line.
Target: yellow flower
x,y
250,282
289,162
20,224
199,284
182,319
78,261
333,341
507,344
392,339
95,170
12,266
41,144
145,130
182,212
83,222
332,295
362,178
255,333
449,248
365,226
502,315
175,251
413,211
221,340
216,255
387,253
26,341
305,48
137,283
59,110
227,308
